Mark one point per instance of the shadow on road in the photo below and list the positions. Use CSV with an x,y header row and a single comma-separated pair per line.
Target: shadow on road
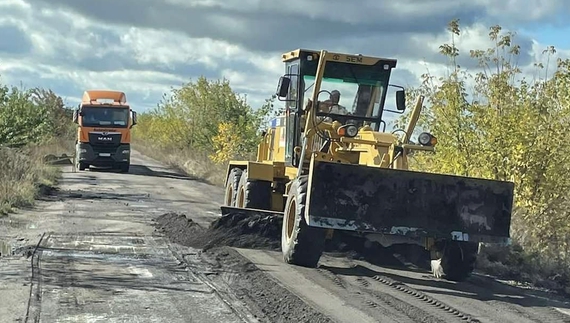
x,y
476,287
142,170
98,271
115,196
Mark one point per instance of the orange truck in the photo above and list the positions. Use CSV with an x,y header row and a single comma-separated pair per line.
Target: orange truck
x,y
104,121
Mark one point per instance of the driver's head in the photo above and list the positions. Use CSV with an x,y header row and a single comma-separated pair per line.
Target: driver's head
x,y
335,96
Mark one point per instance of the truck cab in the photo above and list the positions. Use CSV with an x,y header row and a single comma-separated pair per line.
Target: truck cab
x,y
104,120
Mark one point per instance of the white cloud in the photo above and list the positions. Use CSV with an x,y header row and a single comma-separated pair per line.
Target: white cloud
x,y
11,4
159,47
72,51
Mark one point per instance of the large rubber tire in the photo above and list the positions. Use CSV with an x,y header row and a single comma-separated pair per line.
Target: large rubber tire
x,y
124,167
82,166
301,244
457,260
254,194
232,186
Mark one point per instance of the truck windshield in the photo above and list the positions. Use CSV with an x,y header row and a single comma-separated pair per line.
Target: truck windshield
x,y
103,116
359,88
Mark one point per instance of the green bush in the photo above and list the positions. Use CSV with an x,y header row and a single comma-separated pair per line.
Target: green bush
x,y
507,128
201,126
32,123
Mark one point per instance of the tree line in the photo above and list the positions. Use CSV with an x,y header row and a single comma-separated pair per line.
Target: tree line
x,y
506,126
32,116
205,116
33,122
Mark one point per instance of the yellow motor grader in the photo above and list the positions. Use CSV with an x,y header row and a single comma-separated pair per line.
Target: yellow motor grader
x,y
327,167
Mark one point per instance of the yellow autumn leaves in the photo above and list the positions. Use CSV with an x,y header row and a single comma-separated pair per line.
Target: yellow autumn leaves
x,y
498,123
207,117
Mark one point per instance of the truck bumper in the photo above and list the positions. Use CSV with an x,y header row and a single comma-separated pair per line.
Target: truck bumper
x,y
103,155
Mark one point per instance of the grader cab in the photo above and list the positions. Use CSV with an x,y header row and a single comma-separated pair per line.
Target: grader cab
x,y
328,164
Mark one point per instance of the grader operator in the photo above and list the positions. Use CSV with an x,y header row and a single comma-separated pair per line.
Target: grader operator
x,y
330,169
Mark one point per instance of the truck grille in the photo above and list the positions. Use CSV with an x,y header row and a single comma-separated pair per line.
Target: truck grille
x,y
106,140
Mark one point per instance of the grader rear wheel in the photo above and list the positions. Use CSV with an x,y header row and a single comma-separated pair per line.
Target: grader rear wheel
x,y
254,194
301,244
232,186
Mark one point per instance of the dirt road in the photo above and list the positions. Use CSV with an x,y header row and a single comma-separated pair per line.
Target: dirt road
x,y
111,247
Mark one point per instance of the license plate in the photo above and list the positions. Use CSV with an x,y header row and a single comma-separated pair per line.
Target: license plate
x,y
105,154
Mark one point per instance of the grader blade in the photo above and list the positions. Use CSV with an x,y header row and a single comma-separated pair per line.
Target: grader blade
x,y
263,224
380,200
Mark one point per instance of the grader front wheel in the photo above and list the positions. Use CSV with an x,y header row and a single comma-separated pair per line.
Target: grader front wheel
x,y
454,259
301,244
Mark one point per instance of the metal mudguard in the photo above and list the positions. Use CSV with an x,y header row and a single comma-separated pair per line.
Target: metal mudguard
x,y
379,200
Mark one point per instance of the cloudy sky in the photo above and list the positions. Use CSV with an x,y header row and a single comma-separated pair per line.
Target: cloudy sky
x,y
145,47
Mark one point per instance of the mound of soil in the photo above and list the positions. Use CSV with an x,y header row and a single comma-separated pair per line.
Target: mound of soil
x,y
247,231
268,300
261,231
180,229
234,230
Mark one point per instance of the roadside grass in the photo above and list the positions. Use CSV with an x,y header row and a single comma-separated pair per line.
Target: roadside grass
x,y
514,264
193,163
24,174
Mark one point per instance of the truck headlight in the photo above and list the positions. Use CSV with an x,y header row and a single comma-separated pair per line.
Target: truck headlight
x,y
126,151
82,150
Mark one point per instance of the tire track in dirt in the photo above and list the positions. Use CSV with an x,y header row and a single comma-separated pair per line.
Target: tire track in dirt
x,y
449,309
264,296
394,304
375,304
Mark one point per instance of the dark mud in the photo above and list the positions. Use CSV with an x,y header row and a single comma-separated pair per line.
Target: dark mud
x,y
181,230
264,296
264,232
235,230
397,255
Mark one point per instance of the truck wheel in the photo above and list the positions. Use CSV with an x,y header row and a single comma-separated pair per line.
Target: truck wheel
x,y
232,186
82,166
456,261
254,194
124,168
301,244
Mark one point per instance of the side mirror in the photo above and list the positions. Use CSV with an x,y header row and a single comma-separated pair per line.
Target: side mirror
x,y
134,118
401,100
283,87
75,117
